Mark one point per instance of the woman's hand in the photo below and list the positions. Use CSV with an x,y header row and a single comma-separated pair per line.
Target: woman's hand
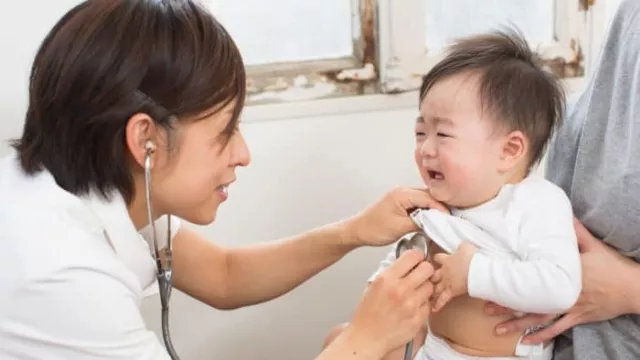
x,y
388,219
606,292
394,307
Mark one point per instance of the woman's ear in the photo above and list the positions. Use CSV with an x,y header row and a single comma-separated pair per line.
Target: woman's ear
x,y
514,150
140,134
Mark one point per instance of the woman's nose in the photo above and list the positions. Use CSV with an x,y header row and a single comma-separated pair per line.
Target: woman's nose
x,y
241,154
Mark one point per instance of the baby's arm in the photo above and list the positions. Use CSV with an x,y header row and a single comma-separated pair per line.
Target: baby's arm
x,y
548,278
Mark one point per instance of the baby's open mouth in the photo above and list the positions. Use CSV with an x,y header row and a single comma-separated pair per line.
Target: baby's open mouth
x,y
435,175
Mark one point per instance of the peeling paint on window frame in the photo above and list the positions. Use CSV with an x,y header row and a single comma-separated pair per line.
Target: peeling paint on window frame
x,y
382,65
316,79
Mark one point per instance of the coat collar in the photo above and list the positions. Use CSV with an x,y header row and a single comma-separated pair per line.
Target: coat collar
x,y
98,216
132,249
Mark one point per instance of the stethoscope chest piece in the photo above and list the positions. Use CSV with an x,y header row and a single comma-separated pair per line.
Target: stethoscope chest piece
x,y
417,241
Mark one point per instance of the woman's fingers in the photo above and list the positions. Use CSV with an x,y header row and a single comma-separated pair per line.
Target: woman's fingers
x,y
419,276
412,198
425,308
553,330
492,308
519,325
424,293
405,264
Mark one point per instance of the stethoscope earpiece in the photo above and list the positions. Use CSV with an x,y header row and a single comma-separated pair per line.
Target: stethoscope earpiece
x,y
149,146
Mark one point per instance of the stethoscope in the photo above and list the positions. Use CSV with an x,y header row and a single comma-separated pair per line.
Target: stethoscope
x,y
418,241
164,271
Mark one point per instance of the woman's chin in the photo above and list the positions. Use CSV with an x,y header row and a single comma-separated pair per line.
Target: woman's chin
x,y
204,216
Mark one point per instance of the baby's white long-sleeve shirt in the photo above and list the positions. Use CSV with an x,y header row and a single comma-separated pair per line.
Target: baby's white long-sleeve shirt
x,y
527,258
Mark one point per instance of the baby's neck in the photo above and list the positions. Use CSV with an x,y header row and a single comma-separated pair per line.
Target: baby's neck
x,y
516,176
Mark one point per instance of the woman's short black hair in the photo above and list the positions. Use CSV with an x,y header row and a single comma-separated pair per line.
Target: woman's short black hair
x,y
107,60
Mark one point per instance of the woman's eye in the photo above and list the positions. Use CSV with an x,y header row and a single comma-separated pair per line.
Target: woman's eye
x,y
443,135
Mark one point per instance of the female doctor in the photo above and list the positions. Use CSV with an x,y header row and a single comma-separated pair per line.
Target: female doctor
x,y
117,83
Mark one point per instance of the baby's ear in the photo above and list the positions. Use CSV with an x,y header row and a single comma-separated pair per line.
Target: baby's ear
x,y
514,149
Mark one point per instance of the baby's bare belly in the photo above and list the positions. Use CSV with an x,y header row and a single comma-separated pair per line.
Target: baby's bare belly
x,y
465,326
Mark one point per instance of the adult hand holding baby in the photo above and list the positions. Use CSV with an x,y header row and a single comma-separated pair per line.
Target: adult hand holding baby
x,y
606,292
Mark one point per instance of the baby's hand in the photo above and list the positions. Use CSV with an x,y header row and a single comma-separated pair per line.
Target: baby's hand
x,y
450,279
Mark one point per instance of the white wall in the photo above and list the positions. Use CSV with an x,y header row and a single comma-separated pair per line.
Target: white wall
x,y
305,172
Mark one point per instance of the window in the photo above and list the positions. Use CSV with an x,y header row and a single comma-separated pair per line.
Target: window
x,y
300,50
305,50
555,28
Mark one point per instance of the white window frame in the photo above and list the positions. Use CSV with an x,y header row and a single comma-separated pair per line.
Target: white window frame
x,y
402,59
307,80
405,56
